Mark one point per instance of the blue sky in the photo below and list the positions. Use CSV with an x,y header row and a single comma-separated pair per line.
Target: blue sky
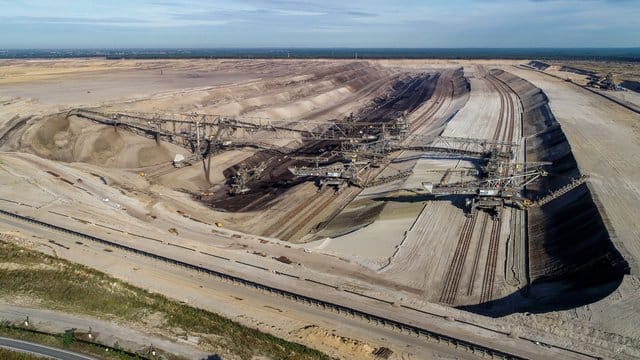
x,y
318,23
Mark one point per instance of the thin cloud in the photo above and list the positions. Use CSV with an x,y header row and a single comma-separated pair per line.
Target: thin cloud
x,y
320,23
73,20
358,13
298,12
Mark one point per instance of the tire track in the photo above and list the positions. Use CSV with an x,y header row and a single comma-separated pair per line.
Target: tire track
x,y
501,117
506,119
503,132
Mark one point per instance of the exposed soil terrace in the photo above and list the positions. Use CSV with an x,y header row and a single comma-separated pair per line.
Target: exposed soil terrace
x,y
569,248
556,247
404,96
362,212
393,247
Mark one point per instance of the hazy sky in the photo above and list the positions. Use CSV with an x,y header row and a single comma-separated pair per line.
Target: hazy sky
x,y
319,23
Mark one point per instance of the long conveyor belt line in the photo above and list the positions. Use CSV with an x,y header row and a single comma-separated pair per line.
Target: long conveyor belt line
x,y
428,334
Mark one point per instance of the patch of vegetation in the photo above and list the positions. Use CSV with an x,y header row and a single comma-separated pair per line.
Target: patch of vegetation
x,y
14,355
74,288
61,341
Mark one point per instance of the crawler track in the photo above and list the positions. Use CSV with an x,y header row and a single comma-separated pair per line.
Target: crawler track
x,y
445,88
506,120
454,273
492,260
277,226
317,207
476,258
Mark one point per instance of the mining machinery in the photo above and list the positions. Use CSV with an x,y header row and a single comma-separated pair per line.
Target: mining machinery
x,y
498,181
244,175
495,151
359,145
205,134
336,175
493,192
606,83
494,158
490,154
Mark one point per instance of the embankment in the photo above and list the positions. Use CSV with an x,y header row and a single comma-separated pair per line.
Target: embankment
x,y
572,260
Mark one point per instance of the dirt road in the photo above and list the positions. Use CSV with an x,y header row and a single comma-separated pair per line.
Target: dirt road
x,y
268,310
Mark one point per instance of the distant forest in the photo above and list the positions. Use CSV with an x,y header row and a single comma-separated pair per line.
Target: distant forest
x,y
595,54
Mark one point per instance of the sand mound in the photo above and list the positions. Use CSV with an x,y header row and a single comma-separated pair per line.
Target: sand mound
x,y
70,139
345,347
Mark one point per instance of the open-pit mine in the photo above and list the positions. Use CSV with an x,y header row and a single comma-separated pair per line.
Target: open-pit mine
x,y
400,209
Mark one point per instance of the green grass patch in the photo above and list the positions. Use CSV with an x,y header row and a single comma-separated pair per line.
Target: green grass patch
x,y
61,341
14,355
74,288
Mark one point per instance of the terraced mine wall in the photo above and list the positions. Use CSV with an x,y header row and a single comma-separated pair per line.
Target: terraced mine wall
x,y
361,213
405,95
571,256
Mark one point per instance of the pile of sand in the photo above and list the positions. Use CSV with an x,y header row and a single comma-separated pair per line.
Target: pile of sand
x,y
342,346
71,139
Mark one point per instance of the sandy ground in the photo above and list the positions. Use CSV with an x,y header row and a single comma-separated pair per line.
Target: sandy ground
x,y
627,97
427,243
605,139
82,82
375,244
292,320
286,319
402,256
